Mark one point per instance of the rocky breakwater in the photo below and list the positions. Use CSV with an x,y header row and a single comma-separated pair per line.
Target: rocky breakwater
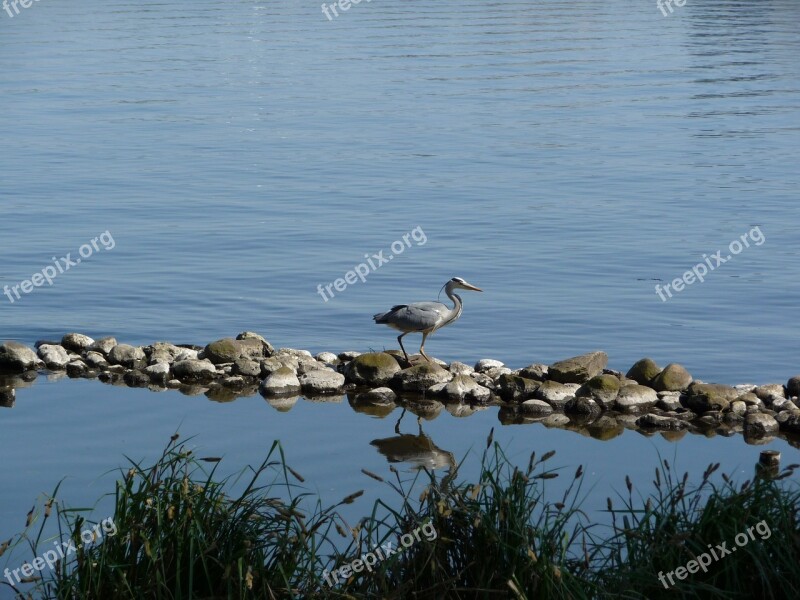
x,y
578,393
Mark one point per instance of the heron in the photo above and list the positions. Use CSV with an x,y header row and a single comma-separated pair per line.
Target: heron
x,y
425,317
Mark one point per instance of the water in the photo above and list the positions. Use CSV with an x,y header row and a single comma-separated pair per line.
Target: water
x,y
564,156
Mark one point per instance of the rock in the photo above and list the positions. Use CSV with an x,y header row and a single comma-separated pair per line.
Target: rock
x,y
464,387
602,388
652,421
310,364
635,399
372,368
484,380
789,421
485,364
793,386
420,377
515,388
234,382
95,360
194,370
535,407
54,357
272,364
103,345
674,378
128,356
348,355
381,395
281,382
669,400
77,368
536,371
578,369
495,372
321,381
77,342
228,350
458,368
703,397
327,357
187,354
554,393
643,371
758,425
768,393
738,407
17,357
158,373
249,335
162,352
583,406
247,367
136,379
297,354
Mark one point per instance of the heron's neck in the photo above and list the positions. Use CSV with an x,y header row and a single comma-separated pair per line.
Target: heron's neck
x,y
455,312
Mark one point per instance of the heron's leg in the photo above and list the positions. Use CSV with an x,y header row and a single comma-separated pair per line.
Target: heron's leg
x,y
400,339
422,347
397,425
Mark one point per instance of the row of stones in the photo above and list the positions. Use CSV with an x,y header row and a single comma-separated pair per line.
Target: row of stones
x,y
666,398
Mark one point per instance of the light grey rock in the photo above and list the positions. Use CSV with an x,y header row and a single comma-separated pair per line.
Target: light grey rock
x,y
272,364
554,393
54,357
281,382
187,354
495,372
321,381
485,364
420,377
348,355
327,357
578,369
669,400
130,357
298,354
17,357
738,407
484,380
584,406
158,373
373,368
535,407
459,368
603,389
464,387
635,399
758,425
103,345
766,393
77,342
192,371
779,404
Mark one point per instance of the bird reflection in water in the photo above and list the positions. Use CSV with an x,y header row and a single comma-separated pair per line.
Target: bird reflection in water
x,y
418,450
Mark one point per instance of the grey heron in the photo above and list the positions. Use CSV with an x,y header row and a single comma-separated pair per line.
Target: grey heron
x,y
425,317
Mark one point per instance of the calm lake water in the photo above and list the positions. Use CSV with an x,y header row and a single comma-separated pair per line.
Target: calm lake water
x,y
564,156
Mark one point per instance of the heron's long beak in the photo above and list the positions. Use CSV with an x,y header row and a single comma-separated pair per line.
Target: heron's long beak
x,y
468,286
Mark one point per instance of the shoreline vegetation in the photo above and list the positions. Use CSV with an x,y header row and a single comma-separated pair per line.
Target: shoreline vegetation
x,y
577,393
181,531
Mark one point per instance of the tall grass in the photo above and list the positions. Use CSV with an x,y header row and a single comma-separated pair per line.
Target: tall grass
x,y
184,532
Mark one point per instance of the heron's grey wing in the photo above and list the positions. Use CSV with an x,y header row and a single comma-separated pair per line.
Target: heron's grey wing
x,y
415,317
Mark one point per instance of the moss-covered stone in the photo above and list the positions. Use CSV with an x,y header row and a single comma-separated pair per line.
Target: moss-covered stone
x,y
603,388
643,371
704,397
578,369
420,377
372,368
516,388
674,378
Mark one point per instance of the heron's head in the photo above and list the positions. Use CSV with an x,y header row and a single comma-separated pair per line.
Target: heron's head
x,y
457,283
